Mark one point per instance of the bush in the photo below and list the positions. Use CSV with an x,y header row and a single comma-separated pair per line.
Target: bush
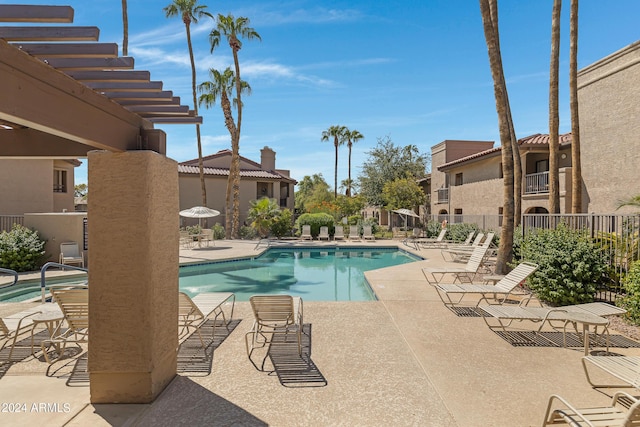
x,y
433,228
459,232
218,231
316,221
631,301
571,265
194,229
21,249
248,233
282,224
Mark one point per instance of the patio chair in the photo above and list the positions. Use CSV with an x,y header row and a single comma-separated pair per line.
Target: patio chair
x,y
460,253
367,233
324,233
462,274
430,242
186,240
194,312
70,254
274,315
354,233
74,304
614,415
13,326
624,368
498,292
207,236
339,233
306,233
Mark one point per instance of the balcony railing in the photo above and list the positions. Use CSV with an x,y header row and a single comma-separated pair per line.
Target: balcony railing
x,y
536,183
443,195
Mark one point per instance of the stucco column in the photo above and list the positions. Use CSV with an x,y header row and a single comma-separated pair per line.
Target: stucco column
x,y
133,275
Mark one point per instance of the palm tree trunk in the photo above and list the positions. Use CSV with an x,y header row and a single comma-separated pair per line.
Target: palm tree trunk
x,y
335,174
554,120
195,108
349,181
125,29
488,9
235,149
228,120
576,166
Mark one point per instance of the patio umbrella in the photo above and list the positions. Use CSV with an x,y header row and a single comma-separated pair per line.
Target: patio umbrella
x,y
199,212
405,213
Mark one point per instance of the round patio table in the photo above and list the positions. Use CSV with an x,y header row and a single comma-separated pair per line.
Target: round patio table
x,y
587,320
51,319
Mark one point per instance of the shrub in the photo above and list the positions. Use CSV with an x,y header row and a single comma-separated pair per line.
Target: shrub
x,y
458,232
247,233
571,266
316,221
21,249
281,225
631,301
433,228
194,229
218,231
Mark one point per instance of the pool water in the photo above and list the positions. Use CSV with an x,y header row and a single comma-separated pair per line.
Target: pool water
x,y
315,274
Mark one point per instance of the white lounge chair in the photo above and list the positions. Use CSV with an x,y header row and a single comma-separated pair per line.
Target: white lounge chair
x,y
367,233
74,304
324,233
306,233
70,254
459,253
498,292
15,325
354,233
611,416
625,368
430,242
462,274
339,233
194,312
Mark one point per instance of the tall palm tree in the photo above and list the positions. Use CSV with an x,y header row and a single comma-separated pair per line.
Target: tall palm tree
x,y
233,29
338,135
190,12
125,29
221,87
576,163
554,118
352,136
489,11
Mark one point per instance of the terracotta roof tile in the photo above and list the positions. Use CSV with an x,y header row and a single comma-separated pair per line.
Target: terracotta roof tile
x,y
189,169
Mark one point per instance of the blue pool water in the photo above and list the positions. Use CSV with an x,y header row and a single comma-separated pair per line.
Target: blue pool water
x,y
315,274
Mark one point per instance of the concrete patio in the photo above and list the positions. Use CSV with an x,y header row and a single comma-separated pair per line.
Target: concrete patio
x,y
402,360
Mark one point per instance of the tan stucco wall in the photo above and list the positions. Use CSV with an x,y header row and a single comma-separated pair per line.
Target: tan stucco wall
x,y
26,186
57,228
609,97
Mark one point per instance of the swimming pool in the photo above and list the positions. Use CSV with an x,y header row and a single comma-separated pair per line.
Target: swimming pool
x,y
315,274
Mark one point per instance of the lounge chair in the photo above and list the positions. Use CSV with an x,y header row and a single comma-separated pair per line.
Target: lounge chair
x,y
354,233
339,233
70,254
367,233
462,274
625,368
194,312
274,315
498,292
15,325
429,242
74,304
611,416
306,233
460,253
324,233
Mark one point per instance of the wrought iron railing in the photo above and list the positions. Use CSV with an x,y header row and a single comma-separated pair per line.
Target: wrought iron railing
x,y
535,183
443,195
7,221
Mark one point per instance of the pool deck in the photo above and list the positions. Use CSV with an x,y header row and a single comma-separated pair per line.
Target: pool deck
x,y
405,360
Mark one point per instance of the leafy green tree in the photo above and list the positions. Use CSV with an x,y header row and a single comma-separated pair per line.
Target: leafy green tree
x,y
349,205
81,190
352,137
233,29
387,162
338,133
190,12
262,213
402,193
312,190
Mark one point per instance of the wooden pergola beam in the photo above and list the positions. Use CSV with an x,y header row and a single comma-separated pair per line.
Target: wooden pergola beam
x,y
28,13
166,95
110,76
183,120
87,64
39,97
159,110
125,102
103,86
30,143
33,34
70,50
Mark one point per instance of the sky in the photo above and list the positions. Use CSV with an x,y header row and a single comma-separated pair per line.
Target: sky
x,y
415,71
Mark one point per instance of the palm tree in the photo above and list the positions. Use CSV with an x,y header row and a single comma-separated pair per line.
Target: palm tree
x,y
352,136
489,10
338,135
221,86
262,213
190,11
634,201
576,163
232,28
554,120
125,29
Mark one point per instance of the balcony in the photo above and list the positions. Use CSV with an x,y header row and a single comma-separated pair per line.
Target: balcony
x,y
536,183
443,195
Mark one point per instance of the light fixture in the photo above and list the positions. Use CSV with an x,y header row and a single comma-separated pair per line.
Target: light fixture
x,y
563,156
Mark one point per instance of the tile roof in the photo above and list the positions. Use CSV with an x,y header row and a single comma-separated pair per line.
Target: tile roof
x,y
538,139
189,169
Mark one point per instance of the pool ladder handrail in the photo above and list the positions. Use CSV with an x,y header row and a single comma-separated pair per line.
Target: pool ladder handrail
x,y
44,269
11,272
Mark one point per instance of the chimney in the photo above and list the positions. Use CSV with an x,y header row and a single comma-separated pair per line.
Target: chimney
x,y
268,159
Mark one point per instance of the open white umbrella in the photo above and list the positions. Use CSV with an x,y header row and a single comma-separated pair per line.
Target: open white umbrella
x,y
199,212
406,213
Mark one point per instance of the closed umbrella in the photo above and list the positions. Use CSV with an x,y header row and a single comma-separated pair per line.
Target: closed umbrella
x,y
405,213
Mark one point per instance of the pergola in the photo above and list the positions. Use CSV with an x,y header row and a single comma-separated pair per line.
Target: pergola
x,y
64,95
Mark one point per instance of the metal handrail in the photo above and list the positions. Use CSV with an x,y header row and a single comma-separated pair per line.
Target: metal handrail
x,y
11,272
44,269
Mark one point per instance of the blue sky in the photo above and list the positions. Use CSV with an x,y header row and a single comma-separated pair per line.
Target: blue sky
x,y
416,71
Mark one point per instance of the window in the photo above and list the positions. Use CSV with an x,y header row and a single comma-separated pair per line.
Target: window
x,y
457,211
542,166
59,181
459,178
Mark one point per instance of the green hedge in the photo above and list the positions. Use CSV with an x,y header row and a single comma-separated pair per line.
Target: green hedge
x,y
21,249
571,265
631,301
315,220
